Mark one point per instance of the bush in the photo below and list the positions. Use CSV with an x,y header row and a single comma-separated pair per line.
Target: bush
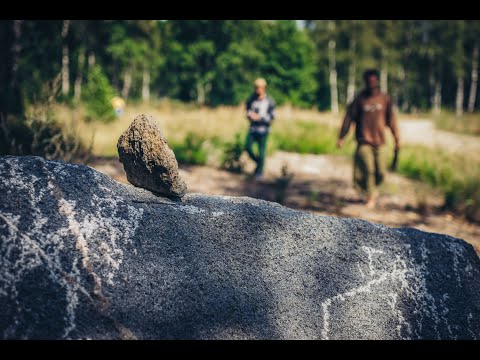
x,y
191,151
41,136
464,197
232,153
97,96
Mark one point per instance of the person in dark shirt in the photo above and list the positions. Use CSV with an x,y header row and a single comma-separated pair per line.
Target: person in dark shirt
x,y
260,113
371,111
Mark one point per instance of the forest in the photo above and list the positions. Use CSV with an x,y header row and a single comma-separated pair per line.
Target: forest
x,y
426,65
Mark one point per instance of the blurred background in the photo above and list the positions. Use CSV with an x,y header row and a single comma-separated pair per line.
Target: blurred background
x,y
69,88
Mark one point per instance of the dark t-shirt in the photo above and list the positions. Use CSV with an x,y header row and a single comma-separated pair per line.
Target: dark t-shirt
x,y
371,114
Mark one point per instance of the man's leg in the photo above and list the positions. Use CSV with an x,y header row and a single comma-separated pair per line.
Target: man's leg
x,y
262,146
364,172
380,164
248,146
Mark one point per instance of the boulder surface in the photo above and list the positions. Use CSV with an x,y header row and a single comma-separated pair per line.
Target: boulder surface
x,y
83,256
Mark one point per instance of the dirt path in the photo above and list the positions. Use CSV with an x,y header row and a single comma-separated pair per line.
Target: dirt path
x,y
423,132
322,184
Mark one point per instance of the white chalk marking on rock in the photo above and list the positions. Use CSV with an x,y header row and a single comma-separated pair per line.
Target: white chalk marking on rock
x,y
370,251
457,252
444,313
469,321
32,252
190,209
360,270
36,255
398,273
418,291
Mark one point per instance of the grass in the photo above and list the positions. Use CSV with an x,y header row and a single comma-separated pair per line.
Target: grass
x,y
308,137
466,124
178,121
203,136
456,175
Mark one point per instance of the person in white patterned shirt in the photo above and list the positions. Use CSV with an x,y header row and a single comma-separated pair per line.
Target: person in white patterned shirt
x,y
260,109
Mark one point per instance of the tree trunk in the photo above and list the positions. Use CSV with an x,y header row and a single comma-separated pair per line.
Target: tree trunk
x,y
65,59
127,82
208,88
384,77
403,80
77,91
431,87
91,59
333,78
16,48
351,73
333,71
146,84
11,101
459,101
115,78
473,84
200,93
437,98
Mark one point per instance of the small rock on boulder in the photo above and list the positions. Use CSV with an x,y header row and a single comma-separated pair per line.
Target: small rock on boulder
x,y
147,159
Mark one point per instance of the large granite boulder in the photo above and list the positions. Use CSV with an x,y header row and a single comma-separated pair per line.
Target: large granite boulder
x,y
83,256
147,159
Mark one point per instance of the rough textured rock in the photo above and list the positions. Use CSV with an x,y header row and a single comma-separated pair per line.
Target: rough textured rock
x,y
147,159
83,256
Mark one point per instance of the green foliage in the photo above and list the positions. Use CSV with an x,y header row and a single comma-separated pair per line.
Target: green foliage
x,y
236,69
458,177
97,96
191,150
232,152
420,164
290,69
218,68
214,62
464,198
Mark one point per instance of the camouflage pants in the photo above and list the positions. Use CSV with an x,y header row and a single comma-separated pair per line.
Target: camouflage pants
x,y
369,167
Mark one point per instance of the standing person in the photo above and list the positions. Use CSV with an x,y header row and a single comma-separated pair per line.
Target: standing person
x,y
260,112
371,111
118,105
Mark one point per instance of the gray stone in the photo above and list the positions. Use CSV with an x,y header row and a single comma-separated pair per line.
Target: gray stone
x,y
147,159
83,256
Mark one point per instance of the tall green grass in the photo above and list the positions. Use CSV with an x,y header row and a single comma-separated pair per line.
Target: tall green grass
x,y
456,175
308,137
305,137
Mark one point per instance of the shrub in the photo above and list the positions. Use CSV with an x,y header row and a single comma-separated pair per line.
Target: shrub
x,y
41,136
191,150
232,152
97,95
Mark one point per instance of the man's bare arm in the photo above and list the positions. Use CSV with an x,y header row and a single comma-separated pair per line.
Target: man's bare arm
x,y
392,123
